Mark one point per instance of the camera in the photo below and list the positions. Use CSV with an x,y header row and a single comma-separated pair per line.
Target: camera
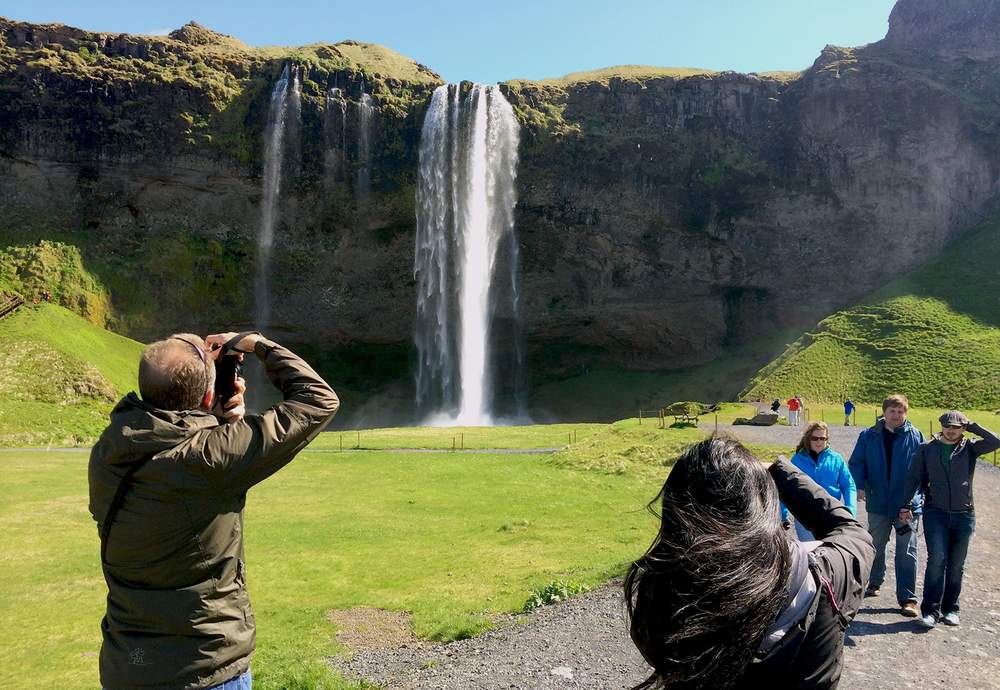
x,y
227,370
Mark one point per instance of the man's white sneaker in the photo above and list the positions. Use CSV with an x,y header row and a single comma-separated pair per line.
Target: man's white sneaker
x,y
950,619
928,621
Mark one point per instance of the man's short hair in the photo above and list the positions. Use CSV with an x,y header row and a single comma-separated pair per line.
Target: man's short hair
x,y
896,400
175,373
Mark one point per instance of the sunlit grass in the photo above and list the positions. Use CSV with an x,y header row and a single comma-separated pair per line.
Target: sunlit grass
x,y
451,538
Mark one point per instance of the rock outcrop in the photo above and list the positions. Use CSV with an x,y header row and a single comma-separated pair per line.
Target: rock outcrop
x,y
663,218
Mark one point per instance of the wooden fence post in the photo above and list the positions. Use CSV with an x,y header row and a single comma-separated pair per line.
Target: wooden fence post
x,y
716,422
640,416
341,443
359,440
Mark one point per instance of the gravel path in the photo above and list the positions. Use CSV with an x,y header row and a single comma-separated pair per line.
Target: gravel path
x,y
583,643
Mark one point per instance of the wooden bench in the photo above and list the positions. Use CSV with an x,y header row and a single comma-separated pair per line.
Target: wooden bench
x,y
680,416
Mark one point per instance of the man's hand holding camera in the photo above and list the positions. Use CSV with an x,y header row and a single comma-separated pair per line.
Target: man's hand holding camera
x,y
233,409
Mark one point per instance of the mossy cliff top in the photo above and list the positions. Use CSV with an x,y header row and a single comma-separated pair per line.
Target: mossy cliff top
x,y
196,87
196,54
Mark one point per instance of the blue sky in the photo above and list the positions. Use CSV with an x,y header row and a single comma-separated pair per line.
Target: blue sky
x,y
490,42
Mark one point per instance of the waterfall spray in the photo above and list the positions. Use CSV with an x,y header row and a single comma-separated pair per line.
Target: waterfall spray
x,y
465,204
287,89
366,110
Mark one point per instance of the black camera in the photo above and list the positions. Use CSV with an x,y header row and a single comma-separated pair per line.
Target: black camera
x,y
227,370
228,366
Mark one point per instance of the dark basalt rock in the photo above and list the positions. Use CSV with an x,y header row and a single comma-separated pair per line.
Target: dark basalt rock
x,y
661,219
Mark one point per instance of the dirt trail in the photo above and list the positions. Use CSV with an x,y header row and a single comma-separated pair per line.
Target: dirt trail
x,y
583,643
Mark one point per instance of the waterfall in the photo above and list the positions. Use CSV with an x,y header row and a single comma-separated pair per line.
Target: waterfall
x,y
334,129
284,101
465,212
336,102
365,112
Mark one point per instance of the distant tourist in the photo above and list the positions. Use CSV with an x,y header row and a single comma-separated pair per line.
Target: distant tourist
x,y
794,411
879,465
723,598
943,468
824,466
775,405
848,411
179,469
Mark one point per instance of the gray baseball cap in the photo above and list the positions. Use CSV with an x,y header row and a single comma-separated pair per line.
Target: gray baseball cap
x,y
953,417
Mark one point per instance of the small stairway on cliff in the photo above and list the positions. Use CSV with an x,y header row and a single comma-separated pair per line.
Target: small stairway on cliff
x,y
9,304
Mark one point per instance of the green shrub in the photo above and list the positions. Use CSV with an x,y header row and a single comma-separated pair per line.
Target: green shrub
x,y
553,593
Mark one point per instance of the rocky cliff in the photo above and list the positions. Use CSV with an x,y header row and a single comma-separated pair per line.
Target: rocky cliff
x,y
664,216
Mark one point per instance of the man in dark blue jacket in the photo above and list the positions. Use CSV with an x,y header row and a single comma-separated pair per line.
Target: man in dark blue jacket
x,y
879,464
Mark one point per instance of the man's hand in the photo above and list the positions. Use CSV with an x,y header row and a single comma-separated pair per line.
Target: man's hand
x,y
235,409
216,341
905,515
861,494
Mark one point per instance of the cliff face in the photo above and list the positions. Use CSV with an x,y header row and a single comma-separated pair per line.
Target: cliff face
x,y
662,218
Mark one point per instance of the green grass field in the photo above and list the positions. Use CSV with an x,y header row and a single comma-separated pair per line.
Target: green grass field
x,y
933,334
459,438
452,538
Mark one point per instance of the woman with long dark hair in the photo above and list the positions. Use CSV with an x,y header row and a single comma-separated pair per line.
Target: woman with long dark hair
x,y
724,598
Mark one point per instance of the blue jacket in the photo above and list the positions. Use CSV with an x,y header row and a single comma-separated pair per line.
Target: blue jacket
x,y
830,472
867,465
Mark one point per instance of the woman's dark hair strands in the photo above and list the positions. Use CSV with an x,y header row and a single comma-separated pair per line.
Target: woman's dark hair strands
x,y
702,597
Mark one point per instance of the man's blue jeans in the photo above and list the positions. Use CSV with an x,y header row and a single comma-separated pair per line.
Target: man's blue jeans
x,y
948,536
240,682
243,681
880,527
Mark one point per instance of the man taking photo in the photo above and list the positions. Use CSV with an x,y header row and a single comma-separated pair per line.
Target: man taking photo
x,y
168,482
879,464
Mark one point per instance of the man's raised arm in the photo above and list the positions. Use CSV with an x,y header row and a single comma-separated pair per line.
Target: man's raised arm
x,y
248,451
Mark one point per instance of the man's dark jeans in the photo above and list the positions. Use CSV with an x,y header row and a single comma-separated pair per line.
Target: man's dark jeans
x,y
948,536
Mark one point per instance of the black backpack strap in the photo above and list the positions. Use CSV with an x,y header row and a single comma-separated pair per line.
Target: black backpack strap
x,y
116,504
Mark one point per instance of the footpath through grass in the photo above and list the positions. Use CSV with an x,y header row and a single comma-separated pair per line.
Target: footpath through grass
x,y
468,438
924,418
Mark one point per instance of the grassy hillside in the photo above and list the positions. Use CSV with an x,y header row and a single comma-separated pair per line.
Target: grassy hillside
x,y
933,334
606,395
60,376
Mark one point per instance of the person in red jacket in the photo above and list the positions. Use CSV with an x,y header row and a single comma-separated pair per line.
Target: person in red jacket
x,y
794,411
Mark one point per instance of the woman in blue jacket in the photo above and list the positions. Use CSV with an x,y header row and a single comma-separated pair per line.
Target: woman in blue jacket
x,y
826,467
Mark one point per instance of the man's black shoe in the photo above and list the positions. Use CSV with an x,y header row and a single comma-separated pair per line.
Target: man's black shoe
x,y
872,592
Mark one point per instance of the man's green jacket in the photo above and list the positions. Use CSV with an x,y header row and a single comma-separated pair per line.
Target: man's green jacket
x,y
178,613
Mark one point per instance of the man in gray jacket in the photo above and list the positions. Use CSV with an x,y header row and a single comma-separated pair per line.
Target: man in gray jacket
x,y
168,483
944,468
